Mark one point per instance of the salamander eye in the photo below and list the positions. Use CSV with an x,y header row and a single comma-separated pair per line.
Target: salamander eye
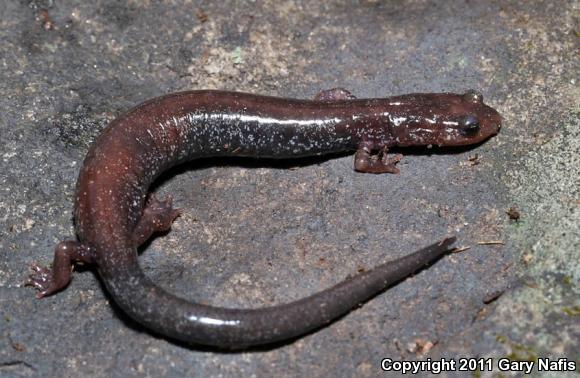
x,y
469,125
473,96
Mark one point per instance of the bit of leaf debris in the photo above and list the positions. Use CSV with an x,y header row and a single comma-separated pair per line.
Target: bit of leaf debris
x,y
513,213
201,16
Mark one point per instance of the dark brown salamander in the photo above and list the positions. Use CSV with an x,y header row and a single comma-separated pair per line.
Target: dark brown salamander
x,y
113,216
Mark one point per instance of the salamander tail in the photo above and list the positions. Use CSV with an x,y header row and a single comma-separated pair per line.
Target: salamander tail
x,y
231,328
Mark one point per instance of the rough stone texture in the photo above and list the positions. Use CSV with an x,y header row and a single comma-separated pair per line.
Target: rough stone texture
x,y
257,233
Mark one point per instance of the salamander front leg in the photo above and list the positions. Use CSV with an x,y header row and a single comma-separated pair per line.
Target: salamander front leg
x,y
367,162
48,281
157,217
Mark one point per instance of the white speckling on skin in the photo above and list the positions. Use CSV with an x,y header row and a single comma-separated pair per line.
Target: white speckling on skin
x,y
397,121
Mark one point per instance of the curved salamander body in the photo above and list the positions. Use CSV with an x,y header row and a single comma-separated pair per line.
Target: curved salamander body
x,y
113,214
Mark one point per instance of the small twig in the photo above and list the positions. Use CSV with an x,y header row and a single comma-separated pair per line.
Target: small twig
x,y
460,249
494,295
491,242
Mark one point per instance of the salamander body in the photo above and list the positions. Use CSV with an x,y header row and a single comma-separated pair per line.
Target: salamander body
x,y
114,213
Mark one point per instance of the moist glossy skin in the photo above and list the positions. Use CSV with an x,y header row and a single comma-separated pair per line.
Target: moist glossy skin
x,y
113,216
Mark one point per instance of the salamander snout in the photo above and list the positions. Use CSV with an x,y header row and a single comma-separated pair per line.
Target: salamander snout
x,y
488,124
468,120
495,121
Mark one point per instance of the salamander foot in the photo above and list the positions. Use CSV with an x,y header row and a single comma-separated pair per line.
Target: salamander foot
x,y
157,217
50,280
365,161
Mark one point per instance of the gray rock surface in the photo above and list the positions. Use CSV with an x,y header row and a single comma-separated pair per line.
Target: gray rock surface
x,y
256,234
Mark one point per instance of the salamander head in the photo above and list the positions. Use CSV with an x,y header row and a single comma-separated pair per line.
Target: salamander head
x,y
465,120
444,119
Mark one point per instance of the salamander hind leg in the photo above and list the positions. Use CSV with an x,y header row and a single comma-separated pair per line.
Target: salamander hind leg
x,y
50,280
367,162
334,94
157,217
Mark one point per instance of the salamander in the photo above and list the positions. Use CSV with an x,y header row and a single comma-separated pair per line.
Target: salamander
x,y
114,213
